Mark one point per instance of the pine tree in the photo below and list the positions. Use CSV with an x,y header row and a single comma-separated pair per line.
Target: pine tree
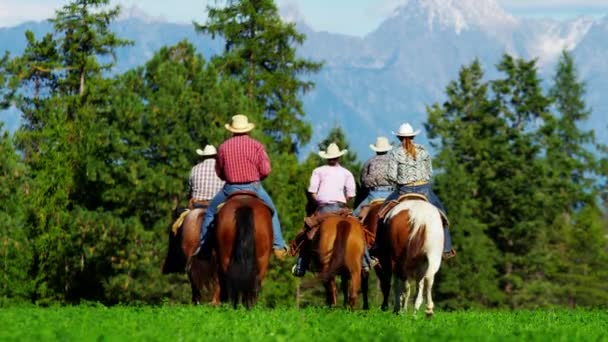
x,y
579,248
15,249
463,131
260,51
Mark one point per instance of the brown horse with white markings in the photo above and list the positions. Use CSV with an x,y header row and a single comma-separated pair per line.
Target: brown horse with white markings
x,y
410,247
242,242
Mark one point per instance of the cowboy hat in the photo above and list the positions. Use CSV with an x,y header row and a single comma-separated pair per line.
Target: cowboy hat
x,y
406,130
209,150
333,151
239,124
381,145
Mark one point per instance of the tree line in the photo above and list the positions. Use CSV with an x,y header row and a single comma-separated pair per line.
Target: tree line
x,y
88,181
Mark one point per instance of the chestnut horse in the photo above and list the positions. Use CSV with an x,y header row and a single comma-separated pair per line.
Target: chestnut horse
x,y
182,244
243,242
340,249
410,247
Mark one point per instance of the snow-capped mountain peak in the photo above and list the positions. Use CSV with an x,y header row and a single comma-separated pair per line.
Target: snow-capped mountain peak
x,y
456,14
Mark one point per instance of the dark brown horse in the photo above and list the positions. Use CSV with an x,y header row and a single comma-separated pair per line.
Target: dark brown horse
x,y
243,243
182,244
340,251
410,248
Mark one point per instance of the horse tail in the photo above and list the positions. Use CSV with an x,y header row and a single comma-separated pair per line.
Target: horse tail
x,y
424,220
242,271
343,229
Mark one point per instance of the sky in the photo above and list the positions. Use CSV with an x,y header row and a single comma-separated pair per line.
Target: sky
x,y
354,17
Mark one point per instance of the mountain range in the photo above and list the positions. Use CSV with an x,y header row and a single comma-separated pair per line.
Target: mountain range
x,y
371,84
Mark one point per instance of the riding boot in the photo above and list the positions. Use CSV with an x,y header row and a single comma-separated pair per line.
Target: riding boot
x,y
448,250
367,261
299,269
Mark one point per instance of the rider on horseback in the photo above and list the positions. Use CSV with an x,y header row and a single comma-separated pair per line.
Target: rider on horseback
x,y
243,163
203,183
374,174
331,186
411,169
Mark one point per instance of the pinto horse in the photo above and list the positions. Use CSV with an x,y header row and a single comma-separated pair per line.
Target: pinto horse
x,y
243,243
182,244
340,249
410,247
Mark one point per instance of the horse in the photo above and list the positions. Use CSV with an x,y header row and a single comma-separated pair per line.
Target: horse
x,y
242,243
183,242
340,251
410,247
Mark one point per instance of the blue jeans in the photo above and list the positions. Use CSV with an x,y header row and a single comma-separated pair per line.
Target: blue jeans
x,y
373,194
427,191
221,197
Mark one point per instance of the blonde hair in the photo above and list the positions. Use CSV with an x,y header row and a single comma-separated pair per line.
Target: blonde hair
x,y
408,146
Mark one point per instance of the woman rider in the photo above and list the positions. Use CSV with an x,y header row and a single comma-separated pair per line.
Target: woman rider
x,y
411,170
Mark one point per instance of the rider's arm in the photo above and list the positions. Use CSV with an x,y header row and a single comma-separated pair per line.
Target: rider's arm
x,y
350,188
313,185
263,163
219,165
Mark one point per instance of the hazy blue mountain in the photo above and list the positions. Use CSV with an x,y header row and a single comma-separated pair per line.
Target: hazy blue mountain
x,y
370,85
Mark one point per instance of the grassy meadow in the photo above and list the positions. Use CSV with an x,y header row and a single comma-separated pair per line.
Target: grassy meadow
x,y
188,323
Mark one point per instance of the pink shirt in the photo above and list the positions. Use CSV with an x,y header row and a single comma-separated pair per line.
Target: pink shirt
x,y
332,184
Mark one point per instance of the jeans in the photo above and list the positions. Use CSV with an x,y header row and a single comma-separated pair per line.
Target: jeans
x,y
427,191
373,194
221,197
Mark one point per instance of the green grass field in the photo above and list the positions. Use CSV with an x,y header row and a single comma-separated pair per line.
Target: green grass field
x,y
187,323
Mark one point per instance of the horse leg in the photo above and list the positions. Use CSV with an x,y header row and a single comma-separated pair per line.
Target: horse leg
x,y
365,289
330,289
406,297
398,290
385,286
216,299
429,299
355,284
344,287
195,285
419,296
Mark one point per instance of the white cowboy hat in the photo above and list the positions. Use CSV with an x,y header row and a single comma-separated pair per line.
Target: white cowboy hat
x,y
406,130
239,124
382,145
333,151
209,150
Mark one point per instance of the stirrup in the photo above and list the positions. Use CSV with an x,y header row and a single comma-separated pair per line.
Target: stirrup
x,y
297,273
449,254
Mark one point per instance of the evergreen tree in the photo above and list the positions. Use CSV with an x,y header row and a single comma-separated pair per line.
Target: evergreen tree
x,y
463,130
15,249
63,119
579,248
260,52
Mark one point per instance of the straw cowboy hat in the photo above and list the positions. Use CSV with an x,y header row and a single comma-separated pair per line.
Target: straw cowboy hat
x,y
406,130
239,124
209,150
382,145
333,151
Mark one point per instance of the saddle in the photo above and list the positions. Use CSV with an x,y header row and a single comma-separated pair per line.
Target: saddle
x,y
365,209
179,221
311,227
238,193
388,206
193,204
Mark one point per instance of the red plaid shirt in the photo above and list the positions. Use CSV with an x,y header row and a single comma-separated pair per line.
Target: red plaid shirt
x,y
242,159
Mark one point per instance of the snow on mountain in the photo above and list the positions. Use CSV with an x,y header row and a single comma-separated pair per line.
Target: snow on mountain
x,y
456,14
